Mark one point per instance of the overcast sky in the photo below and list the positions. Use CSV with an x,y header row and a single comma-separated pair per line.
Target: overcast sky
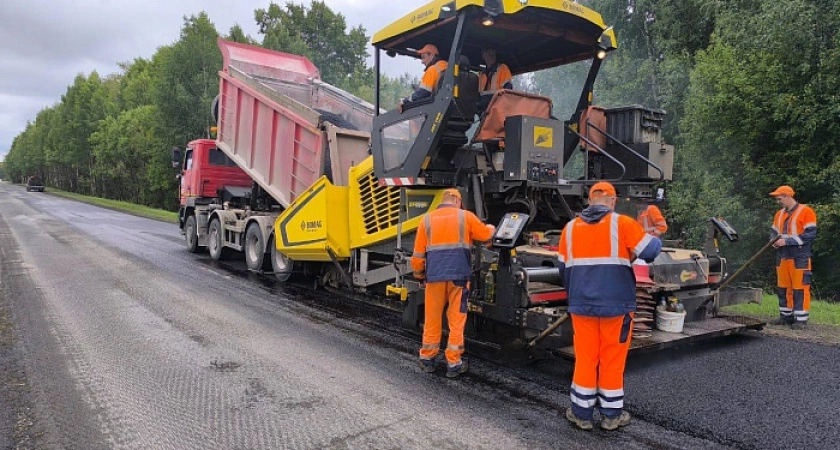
x,y
44,44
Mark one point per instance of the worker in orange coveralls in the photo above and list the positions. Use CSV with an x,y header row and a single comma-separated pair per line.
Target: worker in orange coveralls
x,y
794,229
442,258
435,66
651,219
595,254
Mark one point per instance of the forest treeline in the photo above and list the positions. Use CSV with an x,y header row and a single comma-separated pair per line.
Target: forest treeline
x,y
750,88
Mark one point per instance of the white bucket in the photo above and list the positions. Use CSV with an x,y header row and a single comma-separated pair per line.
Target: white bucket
x,y
669,321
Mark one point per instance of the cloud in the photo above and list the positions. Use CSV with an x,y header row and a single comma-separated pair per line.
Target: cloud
x,y
44,44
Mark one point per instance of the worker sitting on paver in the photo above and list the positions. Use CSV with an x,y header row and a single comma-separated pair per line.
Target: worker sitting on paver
x,y
435,66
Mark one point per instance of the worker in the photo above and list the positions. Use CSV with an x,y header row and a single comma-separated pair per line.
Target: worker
x,y
651,219
435,66
495,75
794,229
595,251
442,258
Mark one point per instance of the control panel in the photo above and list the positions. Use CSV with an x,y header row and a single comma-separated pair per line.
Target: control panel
x,y
542,172
509,230
533,149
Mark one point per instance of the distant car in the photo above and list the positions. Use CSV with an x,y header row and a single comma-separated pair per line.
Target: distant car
x,y
34,183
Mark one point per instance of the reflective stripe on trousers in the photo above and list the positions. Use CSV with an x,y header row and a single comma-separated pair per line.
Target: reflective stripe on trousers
x,y
793,289
440,296
600,357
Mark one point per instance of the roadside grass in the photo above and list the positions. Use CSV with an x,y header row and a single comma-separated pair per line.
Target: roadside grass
x,y
130,208
821,312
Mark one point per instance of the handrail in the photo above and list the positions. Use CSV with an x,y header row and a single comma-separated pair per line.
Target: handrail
x,y
603,152
609,136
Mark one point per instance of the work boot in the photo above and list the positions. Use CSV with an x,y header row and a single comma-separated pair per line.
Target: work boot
x,y
799,326
454,371
585,425
613,423
428,365
781,321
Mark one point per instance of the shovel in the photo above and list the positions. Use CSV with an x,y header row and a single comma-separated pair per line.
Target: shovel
x,y
518,344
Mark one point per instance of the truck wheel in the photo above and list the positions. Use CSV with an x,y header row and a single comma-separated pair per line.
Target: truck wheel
x,y
190,234
214,244
255,248
214,110
281,264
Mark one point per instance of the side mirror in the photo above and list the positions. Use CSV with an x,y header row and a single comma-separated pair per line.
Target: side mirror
x,y
176,158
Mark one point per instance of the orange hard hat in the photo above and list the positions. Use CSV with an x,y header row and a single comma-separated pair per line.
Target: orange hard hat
x,y
452,192
428,48
783,190
602,186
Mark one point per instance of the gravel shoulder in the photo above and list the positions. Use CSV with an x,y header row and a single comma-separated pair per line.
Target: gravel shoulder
x,y
815,333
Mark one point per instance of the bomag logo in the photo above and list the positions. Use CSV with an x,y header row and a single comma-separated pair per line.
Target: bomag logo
x,y
419,205
310,225
543,137
573,7
421,16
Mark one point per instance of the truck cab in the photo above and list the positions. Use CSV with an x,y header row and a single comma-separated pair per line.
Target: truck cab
x,y
208,177
205,170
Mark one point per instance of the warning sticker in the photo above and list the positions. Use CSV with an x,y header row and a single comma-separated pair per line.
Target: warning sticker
x,y
543,137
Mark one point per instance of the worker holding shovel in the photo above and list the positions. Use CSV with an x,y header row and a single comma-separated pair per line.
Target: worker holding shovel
x,y
796,227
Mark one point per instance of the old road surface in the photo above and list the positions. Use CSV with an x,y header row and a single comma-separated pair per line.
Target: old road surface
x,y
114,336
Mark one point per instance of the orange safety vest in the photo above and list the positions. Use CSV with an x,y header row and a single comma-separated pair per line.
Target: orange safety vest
x,y
652,220
596,261
799,229
442,244
432,76
498,77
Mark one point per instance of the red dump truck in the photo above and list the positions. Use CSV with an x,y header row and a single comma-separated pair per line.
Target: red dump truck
x,y
279,130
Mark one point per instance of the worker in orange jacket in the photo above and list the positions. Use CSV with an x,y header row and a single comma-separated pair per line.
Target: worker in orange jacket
x,y
651,219
794,229
495,76
596,250
435,66
442,258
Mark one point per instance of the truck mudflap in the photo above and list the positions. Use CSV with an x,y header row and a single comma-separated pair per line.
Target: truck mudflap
x,y
692,332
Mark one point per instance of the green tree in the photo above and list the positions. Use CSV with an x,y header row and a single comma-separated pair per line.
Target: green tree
x,y
186,81
237,35
132,158
318,33
754,120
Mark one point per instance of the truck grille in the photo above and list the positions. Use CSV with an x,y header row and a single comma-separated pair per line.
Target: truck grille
x,y
380,204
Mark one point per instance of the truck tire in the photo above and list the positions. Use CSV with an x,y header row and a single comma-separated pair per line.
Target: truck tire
x,y
214,241
214,110
281,264
255,249
190,234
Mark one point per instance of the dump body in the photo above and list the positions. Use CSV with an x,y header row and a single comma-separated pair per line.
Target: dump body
x,y
282,125
283,131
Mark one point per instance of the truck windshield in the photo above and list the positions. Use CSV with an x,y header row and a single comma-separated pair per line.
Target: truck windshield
x,y
218,158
